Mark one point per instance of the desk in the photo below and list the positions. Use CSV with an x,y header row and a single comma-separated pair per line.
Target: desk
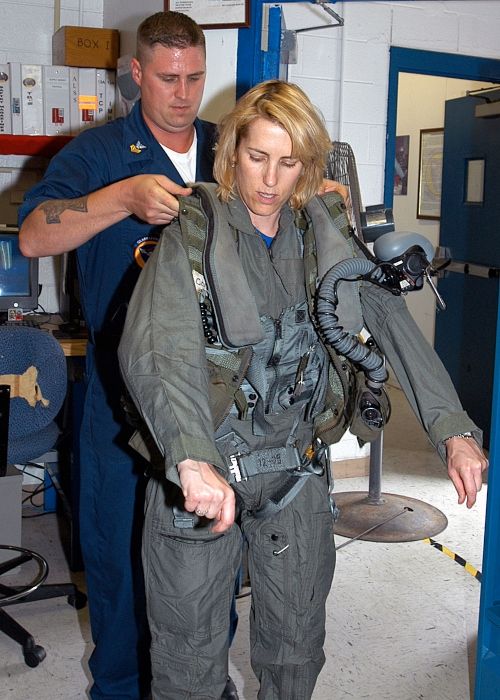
x,y
73,347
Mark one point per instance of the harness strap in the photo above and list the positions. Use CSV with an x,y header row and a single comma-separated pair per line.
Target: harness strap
x,y
273,459
283,496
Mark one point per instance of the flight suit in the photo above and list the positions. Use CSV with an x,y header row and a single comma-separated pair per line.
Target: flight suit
x,y
291,555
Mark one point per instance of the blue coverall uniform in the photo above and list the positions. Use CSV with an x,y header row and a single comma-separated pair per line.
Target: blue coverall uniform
x,y
112,475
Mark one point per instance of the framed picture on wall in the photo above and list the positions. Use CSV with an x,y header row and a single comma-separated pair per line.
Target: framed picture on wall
x,y
430,170
214,14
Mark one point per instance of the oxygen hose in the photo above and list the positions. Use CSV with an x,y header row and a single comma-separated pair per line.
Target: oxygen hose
x,y
334,334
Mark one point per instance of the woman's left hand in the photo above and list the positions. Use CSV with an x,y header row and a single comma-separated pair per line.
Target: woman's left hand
x,y
466,463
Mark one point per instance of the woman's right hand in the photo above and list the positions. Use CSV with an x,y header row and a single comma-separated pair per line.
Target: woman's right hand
x,y
207,493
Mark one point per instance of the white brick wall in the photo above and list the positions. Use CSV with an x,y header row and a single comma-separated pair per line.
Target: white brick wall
x,y
27,26
350,82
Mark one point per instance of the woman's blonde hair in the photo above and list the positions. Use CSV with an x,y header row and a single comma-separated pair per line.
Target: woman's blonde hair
x,y
287,105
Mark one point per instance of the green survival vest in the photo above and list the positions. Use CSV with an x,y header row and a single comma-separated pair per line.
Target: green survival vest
x,y
210,246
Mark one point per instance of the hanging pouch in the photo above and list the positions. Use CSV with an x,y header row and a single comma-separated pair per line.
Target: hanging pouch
x,y
372,410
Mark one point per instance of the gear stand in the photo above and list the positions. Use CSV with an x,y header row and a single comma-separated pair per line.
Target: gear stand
x,y
373,515
384,517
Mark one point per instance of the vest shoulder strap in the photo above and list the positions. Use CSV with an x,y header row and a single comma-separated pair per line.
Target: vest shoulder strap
x,y
194,223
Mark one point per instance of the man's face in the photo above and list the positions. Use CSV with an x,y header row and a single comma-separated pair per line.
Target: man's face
x,y
171,82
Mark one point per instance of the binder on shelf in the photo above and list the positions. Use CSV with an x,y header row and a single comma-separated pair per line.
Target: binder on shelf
x,y
31,99
16,98
56,100
87,97
100,79
110,95
5,105
74,112
105,82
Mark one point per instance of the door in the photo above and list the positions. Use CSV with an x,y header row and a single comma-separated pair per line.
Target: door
x,y
470,230
468,333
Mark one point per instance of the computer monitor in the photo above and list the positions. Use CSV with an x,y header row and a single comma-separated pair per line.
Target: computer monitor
x,y
18,275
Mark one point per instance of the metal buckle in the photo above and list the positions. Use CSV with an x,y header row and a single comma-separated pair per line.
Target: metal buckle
x,y
315,460
183,519
234,468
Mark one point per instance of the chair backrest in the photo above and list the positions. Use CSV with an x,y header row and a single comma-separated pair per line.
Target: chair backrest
x,y
341,166
33,364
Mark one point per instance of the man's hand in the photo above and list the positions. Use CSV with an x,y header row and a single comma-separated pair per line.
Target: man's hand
x,y
207,493
333,186
466,463
152,198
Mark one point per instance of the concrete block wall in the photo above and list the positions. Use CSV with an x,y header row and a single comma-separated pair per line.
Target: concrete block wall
x,y
27,26
345,69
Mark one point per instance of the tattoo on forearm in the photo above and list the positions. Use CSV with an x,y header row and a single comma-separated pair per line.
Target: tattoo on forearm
x,y
55,208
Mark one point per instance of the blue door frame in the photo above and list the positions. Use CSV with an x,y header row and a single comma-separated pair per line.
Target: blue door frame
x,y
488,639
446,65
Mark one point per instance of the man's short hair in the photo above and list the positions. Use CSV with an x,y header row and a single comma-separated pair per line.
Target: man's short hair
x,y
170,29
288,106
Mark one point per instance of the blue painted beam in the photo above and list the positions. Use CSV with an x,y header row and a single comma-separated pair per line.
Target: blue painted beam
x,y
253,64
488,638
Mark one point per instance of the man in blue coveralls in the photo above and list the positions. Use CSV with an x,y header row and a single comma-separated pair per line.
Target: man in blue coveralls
x,y
108,194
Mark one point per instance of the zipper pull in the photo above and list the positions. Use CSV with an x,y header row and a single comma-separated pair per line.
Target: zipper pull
x,y
299,377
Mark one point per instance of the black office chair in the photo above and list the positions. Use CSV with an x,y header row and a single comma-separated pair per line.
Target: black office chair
x,y
32,391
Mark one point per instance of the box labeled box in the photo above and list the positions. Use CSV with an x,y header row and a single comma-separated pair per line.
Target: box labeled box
x,y
5,105
16,98
56,96
32,99
87,47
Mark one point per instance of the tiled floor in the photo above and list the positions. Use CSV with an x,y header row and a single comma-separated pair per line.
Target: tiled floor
x,y
402,618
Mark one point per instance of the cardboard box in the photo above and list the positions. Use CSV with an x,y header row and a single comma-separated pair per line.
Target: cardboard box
x,y
87,47
56,97
5,106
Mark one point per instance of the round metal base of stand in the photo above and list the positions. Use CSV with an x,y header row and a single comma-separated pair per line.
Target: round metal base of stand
x,y
414,520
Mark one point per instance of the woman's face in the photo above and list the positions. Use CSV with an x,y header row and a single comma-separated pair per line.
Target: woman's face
x,y
265,172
